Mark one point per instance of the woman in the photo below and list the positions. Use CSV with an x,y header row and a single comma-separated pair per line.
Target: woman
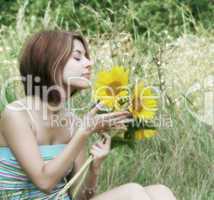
x,y
40,149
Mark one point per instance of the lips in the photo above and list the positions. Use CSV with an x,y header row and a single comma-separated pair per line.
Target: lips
x,y
86,75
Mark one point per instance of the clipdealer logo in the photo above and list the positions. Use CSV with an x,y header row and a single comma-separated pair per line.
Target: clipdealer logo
x,y
206,113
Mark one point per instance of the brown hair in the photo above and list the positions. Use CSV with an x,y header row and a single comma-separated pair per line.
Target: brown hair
x,y
44,55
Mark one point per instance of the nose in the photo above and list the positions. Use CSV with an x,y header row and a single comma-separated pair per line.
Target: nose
x,y
88,63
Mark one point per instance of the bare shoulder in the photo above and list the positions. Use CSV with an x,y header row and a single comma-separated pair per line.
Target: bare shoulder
x,y
12,114
14,109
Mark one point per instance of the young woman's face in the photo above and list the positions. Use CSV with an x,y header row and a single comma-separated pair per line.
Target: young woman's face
x,y
77,71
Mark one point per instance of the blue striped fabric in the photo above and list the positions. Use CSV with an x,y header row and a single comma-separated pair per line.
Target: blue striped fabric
x,y
14,183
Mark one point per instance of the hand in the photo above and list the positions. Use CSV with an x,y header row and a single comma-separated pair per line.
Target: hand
x,y
93,122
99,151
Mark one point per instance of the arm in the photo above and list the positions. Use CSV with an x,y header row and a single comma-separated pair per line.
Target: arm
x,y
99,150
91,178
21,140
44,175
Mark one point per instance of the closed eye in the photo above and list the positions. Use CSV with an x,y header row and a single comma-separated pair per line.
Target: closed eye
x,y
78,59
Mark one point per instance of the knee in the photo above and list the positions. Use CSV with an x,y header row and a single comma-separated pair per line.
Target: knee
x,y
136,192
165,191
134,187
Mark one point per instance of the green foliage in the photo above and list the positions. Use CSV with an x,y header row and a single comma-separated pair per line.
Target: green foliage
x,y
153,18
10,96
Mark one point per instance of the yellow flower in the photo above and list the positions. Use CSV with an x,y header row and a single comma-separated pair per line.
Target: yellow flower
x,y
143,102
111,86
141,134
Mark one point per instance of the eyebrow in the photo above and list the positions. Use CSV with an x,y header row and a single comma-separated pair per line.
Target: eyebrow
x,y
77,50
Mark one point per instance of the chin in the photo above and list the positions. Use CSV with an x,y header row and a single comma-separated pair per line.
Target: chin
x,y
84,87
80,84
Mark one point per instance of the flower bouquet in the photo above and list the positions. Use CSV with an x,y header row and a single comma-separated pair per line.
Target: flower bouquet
x,y
113,89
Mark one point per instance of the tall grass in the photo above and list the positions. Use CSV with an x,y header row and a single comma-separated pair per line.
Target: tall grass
x,y
182,156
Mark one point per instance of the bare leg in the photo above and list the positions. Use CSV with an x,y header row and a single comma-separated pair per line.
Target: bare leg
x,y
159,192
130,191
134,191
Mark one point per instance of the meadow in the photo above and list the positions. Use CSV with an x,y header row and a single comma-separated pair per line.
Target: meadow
x,y
168,44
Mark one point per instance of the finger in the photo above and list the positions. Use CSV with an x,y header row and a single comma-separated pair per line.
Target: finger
x,y
103,129
120,119
94,110
128,120
107,138
100,151
106,135
111,122
114,114
96,156
124,121
103,140
93,153
100,144
96,148
119,127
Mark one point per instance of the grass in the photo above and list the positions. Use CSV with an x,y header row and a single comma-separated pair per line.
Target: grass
x,y
181,157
